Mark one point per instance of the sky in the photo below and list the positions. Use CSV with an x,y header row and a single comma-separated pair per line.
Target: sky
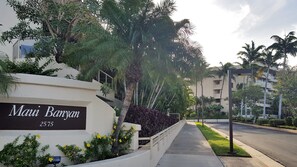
x,y
222,27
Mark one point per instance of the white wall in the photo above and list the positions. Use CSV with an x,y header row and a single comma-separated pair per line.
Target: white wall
x,y
33,89
139,158
148,156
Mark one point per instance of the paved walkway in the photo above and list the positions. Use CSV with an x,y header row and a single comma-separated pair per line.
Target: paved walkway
x,y
189,149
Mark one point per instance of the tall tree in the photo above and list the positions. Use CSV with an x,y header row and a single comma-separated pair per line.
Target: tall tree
x,y
249,56
194,68
50,22
138,32
268,59
285,46
222,72
204,72
147,29
288,85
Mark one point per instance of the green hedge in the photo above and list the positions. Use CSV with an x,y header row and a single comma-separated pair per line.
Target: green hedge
x,y
295,121
276,122
262,121
289,121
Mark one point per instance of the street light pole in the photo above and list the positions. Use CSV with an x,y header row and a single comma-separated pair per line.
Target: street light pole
x,y
231,72
230,111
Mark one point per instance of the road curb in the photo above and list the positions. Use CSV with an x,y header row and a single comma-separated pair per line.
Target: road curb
x,y
268,127
253,152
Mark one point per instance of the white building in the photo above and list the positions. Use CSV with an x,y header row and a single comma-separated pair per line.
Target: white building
x,y
212,87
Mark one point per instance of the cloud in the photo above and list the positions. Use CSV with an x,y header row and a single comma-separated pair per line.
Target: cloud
x,y
265,18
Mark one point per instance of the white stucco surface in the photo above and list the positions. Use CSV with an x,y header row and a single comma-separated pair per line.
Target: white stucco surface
x,y
33,89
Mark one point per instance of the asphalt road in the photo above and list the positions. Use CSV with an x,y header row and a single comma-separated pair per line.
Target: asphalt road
x,y
280,146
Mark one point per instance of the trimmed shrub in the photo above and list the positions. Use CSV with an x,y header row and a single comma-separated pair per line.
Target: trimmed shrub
x,y
276,122
295,121
289,121
262,121
151,121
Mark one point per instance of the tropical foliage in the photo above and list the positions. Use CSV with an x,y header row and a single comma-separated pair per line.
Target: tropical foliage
x,y
223,72
7,81
252,94
25,153
249,57
269,60
287,83
285,46
138,35
54,24
151,121
99,147
31,66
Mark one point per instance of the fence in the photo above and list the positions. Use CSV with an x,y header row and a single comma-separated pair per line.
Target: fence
x,y
160,142
148,156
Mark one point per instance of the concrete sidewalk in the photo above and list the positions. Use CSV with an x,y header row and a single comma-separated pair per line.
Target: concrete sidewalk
x,y
190,149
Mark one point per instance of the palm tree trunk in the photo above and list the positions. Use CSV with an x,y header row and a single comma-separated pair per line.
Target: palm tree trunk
x,y
136,95
281,95
245,108
280,106
221,93
160,87
127,101
152,93
241,107
196,99
202,101
265,92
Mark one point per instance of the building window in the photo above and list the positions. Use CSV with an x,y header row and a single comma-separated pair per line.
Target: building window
x,y
218,100
217,91
217,82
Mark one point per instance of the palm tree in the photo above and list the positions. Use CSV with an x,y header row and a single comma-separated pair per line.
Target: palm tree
x,y
204,72
249,56
268,59
222,72
194,68
285,46
138,32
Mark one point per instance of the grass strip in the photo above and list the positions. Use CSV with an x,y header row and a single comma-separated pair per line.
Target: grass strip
x,y
219,144
288,127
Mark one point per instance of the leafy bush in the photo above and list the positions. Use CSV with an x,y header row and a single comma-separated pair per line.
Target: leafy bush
x,y
105,89
98,148
243,119
30,66
295,121
289,121
276,122
73,153
25,154
262,121
151,121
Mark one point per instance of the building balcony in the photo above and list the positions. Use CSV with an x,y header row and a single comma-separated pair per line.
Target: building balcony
x,y
262,104
216,95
